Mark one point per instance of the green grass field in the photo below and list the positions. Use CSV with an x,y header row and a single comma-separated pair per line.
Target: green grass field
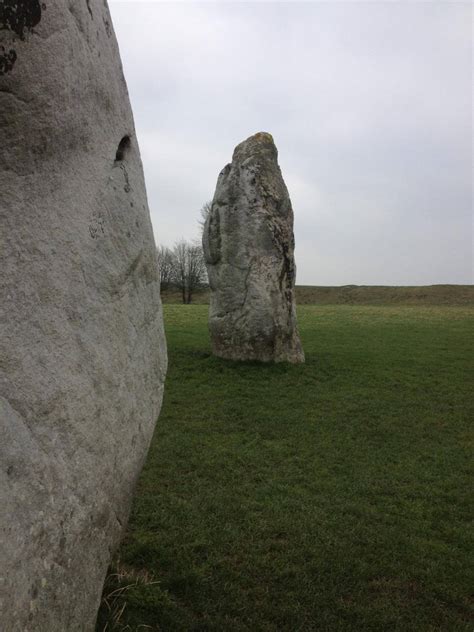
x,y
326,497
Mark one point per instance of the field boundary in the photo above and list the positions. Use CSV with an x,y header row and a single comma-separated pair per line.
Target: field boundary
x,y
451,295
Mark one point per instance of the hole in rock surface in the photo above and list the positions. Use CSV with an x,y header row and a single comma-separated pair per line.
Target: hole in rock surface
x,y
123,148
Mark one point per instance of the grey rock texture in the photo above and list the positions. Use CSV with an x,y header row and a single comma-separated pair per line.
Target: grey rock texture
x,y
248,245
82,350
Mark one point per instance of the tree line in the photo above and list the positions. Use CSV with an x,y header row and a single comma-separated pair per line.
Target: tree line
x,y
182,267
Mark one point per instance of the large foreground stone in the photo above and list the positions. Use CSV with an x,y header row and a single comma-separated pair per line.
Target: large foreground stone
x,y
248,245
82,352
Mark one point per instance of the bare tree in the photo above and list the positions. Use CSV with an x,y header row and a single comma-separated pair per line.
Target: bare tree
x,y
183,266
204,213
189,268
179,270
166,266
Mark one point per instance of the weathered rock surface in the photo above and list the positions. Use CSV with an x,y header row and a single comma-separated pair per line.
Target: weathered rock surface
x,y
248,245
82,351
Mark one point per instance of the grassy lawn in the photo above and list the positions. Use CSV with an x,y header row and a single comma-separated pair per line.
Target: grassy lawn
x,y
331,496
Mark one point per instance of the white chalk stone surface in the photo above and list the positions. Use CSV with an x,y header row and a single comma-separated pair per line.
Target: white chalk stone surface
x,y
82,350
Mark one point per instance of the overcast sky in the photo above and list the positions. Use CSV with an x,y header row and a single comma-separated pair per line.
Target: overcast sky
x,y
370,107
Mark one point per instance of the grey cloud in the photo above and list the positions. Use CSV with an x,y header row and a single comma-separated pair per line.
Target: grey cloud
x,y
370,107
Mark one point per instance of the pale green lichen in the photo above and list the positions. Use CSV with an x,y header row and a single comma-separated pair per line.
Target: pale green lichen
x,y
264,137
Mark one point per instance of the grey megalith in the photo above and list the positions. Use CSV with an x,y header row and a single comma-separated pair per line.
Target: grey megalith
x,y
82,349
248,246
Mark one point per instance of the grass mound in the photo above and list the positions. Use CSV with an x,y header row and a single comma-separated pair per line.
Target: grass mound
x,y
449,295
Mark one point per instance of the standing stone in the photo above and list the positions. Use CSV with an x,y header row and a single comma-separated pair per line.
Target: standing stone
x,y
82,351
248,245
